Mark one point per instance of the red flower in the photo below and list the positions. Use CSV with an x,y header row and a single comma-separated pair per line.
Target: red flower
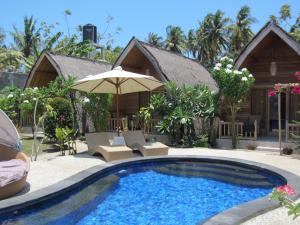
x,y
277,87
286,189
296,90
297,75
272,93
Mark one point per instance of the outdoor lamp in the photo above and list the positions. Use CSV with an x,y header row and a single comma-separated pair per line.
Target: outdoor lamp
x,y
273,68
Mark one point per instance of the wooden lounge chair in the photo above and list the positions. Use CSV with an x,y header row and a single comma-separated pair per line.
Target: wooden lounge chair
x,y
99,143
136,141
17,185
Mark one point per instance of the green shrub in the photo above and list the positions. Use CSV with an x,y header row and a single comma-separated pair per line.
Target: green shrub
x,y
64,117
201,141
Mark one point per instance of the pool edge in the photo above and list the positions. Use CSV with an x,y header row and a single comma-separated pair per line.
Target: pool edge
x,y
235,215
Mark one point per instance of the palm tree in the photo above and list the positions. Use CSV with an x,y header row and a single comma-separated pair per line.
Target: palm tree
x,y
241,32
175,40
27,41
210,39
154,39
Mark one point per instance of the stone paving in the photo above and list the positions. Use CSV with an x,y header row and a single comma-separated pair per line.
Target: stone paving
x,y
51,168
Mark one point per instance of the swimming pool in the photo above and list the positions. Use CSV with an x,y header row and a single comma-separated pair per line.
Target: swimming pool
x,y
161,192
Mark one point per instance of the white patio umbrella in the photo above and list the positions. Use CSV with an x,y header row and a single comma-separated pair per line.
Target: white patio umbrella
x,y
117,81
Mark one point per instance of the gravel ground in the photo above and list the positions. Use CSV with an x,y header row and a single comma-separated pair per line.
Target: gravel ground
x,y
51,168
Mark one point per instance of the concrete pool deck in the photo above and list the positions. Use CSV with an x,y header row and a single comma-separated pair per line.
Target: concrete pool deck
x,y
52,168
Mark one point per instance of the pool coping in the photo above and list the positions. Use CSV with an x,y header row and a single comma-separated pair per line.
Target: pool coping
x,y
235,215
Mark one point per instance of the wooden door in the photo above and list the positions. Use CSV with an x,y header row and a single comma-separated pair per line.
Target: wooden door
x,y
259,107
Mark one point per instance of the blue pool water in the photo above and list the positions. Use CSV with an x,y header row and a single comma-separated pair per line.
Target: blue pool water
x,y
183,194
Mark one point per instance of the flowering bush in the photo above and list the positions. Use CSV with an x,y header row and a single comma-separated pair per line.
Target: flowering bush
x,y
282,194
234,86
177,107
9,103
63,117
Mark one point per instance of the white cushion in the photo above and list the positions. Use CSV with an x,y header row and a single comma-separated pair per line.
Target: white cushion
x,y
118,141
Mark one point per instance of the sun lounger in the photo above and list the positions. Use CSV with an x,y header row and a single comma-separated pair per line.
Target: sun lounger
x,y
14,167
136,141
99,143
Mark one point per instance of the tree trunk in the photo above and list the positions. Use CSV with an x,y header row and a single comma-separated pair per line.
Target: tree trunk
x,y
233,131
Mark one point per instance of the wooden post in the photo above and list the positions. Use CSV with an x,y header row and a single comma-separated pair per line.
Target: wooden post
x,y
255,129
220,129
279,122
287,114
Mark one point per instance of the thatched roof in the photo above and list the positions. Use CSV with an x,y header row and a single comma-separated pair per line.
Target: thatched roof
x,y
171,66
270,27
67,66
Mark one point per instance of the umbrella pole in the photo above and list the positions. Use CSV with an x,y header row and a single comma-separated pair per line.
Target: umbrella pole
x,y
118,111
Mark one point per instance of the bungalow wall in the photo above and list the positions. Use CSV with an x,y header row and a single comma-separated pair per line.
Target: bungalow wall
x,y
271,49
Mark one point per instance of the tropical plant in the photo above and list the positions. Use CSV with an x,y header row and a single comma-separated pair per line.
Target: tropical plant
x,y
210,39
26,41
177,108
285,19
64,117
234,86
240,30
2,37
10,102
28,100
175,40
112,55
62,135
97,106
282,194
154,39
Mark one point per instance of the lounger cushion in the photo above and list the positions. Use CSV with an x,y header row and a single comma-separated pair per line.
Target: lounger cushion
x,y
118,141
12,170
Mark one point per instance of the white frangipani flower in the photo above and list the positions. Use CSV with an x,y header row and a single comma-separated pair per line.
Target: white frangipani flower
x,y
230,60
10,96
229,66
244,78
34,99
183,121
22,94
26,101
224,58
218,65
250,75
236,72
35,88
228,70
216,68
244,69
86,100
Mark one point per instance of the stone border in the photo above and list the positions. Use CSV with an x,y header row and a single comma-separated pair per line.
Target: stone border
x,y
235,215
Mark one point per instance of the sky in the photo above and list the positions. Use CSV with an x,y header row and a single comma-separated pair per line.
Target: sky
x,y
135,17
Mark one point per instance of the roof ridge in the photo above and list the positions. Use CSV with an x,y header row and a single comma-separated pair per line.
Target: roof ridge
x,y
168,51
77,57
270,23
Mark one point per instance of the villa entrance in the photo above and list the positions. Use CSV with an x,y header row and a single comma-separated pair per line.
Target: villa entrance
x,y
273,114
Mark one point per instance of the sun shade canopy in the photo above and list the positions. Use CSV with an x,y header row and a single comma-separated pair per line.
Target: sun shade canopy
x,y
9,135
117,81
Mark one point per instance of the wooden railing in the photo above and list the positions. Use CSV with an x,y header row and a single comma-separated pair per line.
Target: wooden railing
x,y
225,130
291,128
26,121
112,124
123,125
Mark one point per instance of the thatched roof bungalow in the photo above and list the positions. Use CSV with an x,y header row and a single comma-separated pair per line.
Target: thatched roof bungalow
x,y
50,65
